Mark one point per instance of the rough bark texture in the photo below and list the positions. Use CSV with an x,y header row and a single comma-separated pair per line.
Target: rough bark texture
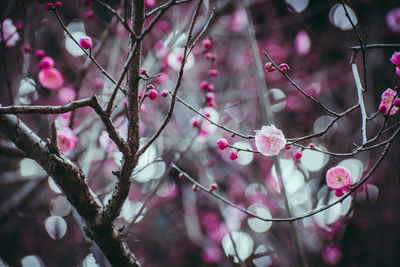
x,y
73,183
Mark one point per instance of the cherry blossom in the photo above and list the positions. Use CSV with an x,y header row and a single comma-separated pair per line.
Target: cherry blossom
x,y
338,178
51,78
10,33
269,140
386,102
66,140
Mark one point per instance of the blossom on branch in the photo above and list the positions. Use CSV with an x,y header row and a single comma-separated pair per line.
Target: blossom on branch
x,y
386,102
66,140
269,140
51,78
338,178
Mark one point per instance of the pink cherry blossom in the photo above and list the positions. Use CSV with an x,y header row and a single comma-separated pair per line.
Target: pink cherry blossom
x,y
51,78
269,140
386,102
10,33
395,58
66,140
393,19
338,178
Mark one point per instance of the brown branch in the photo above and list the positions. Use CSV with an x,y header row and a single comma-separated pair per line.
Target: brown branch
x,y
74,185
39,109
130,158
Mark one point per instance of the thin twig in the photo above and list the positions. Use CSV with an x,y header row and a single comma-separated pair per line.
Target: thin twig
x,y
177,83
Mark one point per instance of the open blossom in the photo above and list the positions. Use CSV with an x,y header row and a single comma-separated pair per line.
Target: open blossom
x,y
386,102
66,140
51,78
338,178
10,33
269,140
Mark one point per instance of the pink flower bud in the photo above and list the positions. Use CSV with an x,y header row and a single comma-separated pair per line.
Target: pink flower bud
x,y
152,94
208,55
297,154
284,67
213,72
396,102
180,175
89,14
98,82
233,154
195,188
397,70
213,187
164,25
207,114
150,86
338,192
382,108
49,6
85,42
210,96
286,147
203,84
395,58
312,146
207,44
269,67
26,48
144,72
45,63
40,53
195,122
59,5
210,87
222,143
164,93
